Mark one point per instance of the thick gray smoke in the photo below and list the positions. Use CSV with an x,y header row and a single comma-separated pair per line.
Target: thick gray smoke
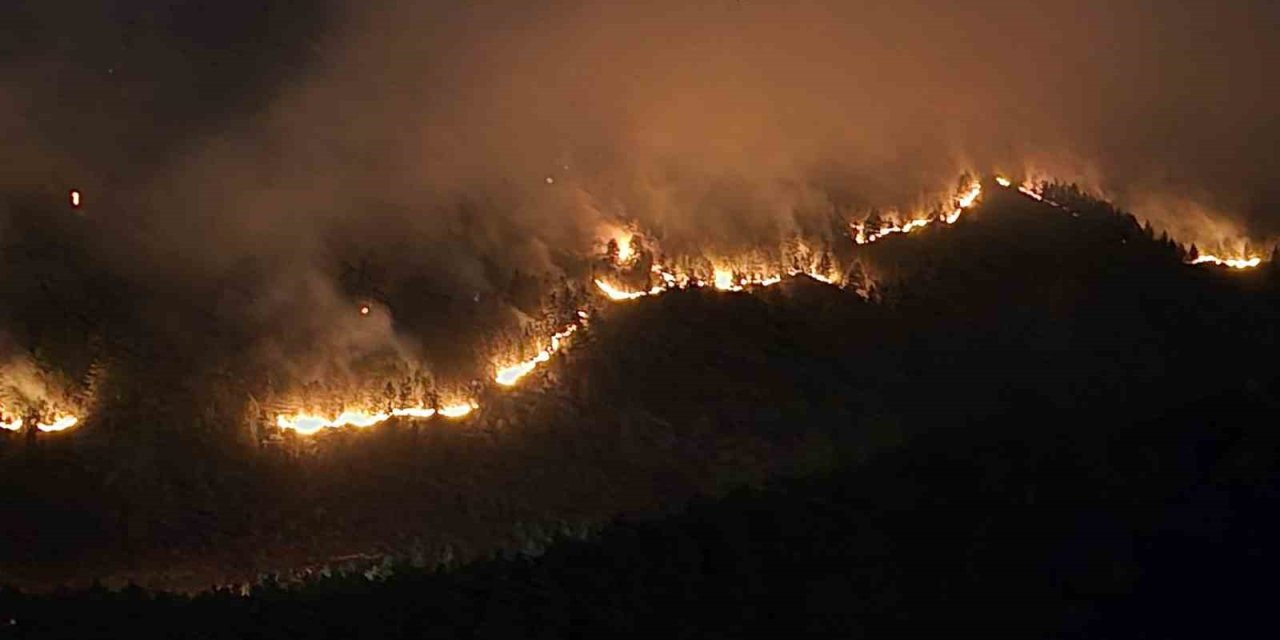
x,y
456,143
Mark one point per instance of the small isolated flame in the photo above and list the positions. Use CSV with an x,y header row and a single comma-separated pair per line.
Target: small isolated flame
x,y
1234,263
509,376
460,410
1004,182
626,252
62,423
1030,192
75,198
622,237
364,309
723,280
616,294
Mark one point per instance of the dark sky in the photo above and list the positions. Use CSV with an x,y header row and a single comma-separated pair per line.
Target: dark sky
x,y
264,126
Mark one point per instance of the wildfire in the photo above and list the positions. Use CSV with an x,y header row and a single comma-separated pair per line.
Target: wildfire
x,y
309,423
618,295
963,202
722,279
1031,191
60,423
305,423
509,376
1234,263
460,410
623,238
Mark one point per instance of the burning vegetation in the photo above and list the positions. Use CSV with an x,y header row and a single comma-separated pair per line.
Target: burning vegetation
x,y
630,265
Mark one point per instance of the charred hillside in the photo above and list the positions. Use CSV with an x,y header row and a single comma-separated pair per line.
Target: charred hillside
x,y
1020,326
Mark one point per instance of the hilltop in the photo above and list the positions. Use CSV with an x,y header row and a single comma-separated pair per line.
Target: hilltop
x,y
1021,325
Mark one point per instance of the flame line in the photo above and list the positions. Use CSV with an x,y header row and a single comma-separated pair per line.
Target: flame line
x,y
1232,263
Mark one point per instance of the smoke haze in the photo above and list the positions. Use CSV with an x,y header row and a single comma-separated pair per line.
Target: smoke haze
x,y
307,142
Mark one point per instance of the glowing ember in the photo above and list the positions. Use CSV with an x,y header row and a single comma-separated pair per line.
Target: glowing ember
x,y
508,376
75,198
1233,263
364,310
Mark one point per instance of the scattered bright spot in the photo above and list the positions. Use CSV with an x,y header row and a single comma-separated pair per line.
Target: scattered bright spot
x,y
75,198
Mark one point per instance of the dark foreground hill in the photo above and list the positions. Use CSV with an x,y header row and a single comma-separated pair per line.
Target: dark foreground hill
x,y
1035,524
1042,422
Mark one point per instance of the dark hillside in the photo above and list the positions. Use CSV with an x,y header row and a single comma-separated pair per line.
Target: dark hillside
x,y
1021,326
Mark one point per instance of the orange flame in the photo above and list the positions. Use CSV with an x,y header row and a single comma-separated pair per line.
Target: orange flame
x,y
963,202
308,423
459,410
1249,262
305,423
617,294
723,278
622,237
61,422
510,375
1233,263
